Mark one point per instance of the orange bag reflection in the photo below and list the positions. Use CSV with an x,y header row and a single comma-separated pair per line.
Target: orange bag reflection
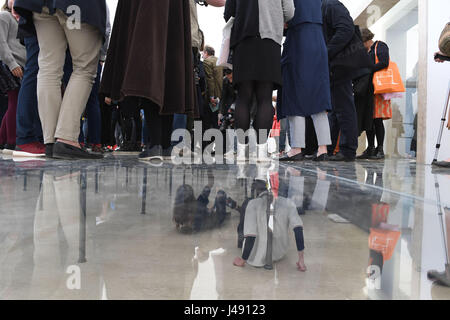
x,y
384,241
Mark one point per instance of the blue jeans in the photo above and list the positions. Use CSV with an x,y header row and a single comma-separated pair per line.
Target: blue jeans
x,y
92,107
179,122
28,122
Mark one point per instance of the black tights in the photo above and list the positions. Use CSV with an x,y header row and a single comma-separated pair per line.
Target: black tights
x,y
159,126
378,131
264,115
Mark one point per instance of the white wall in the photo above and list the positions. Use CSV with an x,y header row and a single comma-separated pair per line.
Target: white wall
x,y
438,80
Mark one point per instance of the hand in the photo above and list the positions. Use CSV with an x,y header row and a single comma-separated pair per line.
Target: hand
x,y
17,72
108,101
239,262
13,12
448,125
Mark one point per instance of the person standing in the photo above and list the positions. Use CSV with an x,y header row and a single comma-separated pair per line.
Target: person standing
x,y
214,80
306,79
150,58
339,30
382,109
12,61
79,26
256,44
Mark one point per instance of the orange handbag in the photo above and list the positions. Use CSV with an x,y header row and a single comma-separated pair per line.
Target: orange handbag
x,y
384,241
387,80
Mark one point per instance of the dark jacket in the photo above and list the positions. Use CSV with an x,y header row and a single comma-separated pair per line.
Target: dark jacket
x,y
150,55
382,50
339,30
93,12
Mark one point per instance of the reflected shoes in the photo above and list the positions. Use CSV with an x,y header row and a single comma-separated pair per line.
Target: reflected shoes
x,y
442,278
155,152
442,164
65,151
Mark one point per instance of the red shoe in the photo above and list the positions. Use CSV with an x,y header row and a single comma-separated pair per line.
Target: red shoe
x,y
33,149
97,148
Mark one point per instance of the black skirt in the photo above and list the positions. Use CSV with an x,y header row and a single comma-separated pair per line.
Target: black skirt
x,y
7,80
256,59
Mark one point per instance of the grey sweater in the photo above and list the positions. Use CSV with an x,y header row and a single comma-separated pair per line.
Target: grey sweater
x,y
258,18
12,52
273,14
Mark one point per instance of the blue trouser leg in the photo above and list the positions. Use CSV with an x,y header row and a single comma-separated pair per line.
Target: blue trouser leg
x,y
28,122
179,122
93,112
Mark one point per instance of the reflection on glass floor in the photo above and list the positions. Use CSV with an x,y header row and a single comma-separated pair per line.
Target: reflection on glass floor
x,y
105,230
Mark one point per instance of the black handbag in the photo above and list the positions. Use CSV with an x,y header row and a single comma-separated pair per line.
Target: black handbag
x,y
354,55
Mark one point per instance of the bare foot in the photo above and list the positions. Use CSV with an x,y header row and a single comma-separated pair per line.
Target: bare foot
x,y
301,266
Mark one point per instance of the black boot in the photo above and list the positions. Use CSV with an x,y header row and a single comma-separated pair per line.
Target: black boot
x,y
370,152
379,155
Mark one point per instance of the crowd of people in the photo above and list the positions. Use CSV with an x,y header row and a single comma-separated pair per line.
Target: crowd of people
x,y
73,87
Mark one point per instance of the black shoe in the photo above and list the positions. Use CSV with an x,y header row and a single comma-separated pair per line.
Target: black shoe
x,y
340,157
298,157
67,152
9,149
154,152
2,146
127,147
322,157
49,150
378,156
370,152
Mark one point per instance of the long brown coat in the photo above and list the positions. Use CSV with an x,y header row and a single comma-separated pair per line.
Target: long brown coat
x,y
150,54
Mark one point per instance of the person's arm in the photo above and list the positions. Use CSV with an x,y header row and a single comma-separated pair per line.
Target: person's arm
x,y
5,51
230,9
105,46
382,52
288,10
339,19
248,247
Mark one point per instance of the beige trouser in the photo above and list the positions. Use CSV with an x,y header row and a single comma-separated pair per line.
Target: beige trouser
x,y
60,116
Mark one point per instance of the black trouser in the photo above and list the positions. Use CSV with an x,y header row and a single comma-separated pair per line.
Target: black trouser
x,y
343,119
159,126
107,132
131,119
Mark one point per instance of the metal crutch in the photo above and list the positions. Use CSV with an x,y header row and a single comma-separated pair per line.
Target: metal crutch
x,y
441,130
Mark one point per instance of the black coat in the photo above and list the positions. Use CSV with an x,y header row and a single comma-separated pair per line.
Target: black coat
x,y
339,29
229,95
93,12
